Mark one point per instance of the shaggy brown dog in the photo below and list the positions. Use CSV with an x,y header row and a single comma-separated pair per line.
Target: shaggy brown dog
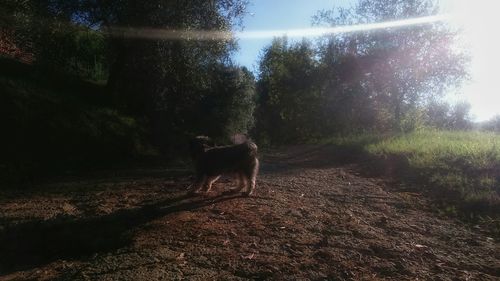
x,y
211,162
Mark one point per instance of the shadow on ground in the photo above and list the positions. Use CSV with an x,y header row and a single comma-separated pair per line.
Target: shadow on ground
x,y
309,157
29,245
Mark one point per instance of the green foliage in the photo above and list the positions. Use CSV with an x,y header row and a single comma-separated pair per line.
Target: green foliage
x,y
228,108
47,30
75,50
413,120
288,98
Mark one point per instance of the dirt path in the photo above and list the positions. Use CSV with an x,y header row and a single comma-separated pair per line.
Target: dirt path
x,y
310,220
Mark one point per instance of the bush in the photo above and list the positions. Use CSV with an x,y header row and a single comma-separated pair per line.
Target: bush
x,y
52,131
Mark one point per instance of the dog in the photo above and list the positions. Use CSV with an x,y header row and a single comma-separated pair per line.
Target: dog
x,y
212,161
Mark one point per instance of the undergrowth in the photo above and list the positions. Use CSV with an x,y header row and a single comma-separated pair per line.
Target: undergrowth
x,y
54,125
460,169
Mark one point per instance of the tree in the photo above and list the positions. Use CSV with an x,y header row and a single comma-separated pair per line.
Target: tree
x,y
438,114
228,107
287,95
460,118
166,80
400,67
442,115
346,101
492,125
51,32
163,81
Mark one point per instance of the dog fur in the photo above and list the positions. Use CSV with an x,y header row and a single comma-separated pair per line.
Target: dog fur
x,y
211,162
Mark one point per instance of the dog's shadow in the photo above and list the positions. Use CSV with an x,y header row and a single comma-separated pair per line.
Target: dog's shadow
x,y
35,243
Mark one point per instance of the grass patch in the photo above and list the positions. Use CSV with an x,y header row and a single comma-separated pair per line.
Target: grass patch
x,y
466,164
456,150
460,169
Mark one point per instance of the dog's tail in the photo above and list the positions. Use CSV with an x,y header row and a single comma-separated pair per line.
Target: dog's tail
x,y
252,147
239,138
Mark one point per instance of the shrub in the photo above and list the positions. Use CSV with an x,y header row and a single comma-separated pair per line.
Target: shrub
x,y
51,131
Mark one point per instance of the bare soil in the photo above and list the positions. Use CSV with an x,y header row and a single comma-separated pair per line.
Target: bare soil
x,y
311,218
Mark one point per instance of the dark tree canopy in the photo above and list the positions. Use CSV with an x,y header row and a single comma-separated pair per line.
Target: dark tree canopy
x,y
128,91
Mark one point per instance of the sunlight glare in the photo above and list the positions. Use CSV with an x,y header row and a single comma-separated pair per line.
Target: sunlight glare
x,y
479,22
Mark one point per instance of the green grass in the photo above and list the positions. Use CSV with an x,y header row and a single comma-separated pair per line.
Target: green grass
x,y
455,150
461,165
460,169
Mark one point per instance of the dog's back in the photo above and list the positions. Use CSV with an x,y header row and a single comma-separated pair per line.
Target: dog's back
x,y
230,158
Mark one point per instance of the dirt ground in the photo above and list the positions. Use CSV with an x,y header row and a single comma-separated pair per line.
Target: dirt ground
x,y
310,219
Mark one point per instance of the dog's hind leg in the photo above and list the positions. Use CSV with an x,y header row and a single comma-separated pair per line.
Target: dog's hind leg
x,y
252,177
242,182
199,183
210,181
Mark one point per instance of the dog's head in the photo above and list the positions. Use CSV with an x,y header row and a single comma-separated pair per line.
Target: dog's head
x,y
200,144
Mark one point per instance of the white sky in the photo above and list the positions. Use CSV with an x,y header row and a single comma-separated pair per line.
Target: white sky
x,y
480,22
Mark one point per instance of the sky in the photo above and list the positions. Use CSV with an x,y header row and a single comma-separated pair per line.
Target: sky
x,y
277,14
477,18
480,21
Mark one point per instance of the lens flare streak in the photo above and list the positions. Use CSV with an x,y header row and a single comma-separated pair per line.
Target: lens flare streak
x,y
204,35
